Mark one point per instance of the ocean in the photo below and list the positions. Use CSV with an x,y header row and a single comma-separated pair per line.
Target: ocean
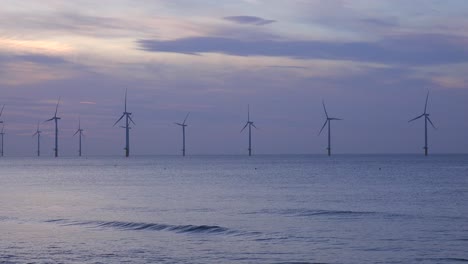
x,y
235,209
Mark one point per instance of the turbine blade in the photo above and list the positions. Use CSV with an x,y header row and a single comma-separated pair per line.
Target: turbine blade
x,y
324,108
125,100
246,124
254,125
34,134
179,124
335,118
416,118
326,121
129,117
1,112
186,118
428,119
248,113
76,132
119,120
427,97
56,107
49,119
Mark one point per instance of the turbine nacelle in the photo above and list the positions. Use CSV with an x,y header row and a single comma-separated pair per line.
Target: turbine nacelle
x,y
249,123
53,118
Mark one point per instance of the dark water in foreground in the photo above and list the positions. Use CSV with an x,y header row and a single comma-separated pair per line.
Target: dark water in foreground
x,y
264,209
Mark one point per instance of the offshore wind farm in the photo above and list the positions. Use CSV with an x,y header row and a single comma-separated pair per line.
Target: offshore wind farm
x,y
250,131
126,116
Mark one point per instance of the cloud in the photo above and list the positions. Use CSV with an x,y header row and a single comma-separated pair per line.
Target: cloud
x,y
407,49
34,46
88,103
252,20
67,23
287,67
378,22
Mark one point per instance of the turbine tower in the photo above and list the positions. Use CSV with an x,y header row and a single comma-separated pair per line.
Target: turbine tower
x,y
250,124
79,131
183,125
38,133
328,121
56,119
2,133
127,127
426,118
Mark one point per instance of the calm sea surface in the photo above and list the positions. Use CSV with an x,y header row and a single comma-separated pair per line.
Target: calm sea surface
x,y
231,209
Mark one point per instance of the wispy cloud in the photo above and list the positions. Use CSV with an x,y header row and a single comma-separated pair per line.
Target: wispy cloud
x,y
411,49
251,20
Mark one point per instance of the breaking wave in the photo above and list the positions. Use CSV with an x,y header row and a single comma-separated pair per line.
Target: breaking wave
x,y
136,226
312,212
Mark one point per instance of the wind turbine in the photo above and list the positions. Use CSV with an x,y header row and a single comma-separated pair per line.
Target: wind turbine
x,y
56,119
38,133
127,127
183,125
426,118
250,124
2,133
328,121
79,131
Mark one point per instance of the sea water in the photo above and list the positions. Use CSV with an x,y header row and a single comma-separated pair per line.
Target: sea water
x,y
235,209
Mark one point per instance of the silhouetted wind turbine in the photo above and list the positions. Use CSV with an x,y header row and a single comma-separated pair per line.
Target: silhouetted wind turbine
x,y
426,118
183,125
328,121
55,118
2,133
250,124
79,131
127,127
38,133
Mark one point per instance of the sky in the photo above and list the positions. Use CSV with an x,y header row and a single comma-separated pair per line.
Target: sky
x,y
372,62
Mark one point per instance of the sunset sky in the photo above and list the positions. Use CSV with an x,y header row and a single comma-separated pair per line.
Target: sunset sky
x,y
371,61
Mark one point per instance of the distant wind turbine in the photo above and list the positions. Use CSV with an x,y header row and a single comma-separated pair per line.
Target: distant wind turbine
x,y
38,133
127,127
250,124
79,131
55,118
328,121
2,133
426,118
183,125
